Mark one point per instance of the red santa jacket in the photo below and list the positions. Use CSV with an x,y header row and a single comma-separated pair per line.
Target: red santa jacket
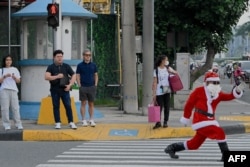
x,y
200,99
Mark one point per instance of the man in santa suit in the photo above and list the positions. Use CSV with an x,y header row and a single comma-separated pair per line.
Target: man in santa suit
x,y
203,101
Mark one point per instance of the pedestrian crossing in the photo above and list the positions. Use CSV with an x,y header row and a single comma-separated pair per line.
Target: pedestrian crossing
x,y
144,153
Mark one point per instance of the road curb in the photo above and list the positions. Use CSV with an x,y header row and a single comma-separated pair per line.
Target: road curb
x,y
104,132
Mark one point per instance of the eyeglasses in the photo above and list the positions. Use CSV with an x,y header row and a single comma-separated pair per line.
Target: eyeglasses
x,y
215,82
87,55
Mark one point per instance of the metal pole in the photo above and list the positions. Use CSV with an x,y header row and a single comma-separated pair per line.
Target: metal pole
x,y
91,29
9,32
119,43
247,42
58,30
119,55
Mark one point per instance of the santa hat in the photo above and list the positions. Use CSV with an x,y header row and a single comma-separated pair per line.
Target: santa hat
x,y
211,76
215,67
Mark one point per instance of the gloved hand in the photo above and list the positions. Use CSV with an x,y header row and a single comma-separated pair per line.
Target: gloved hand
x,y
185,121
240,87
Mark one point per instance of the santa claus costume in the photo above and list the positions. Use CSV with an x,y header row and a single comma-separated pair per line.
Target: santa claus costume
x,y
203,102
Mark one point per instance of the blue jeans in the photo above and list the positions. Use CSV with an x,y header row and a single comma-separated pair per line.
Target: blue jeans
x,y
65,96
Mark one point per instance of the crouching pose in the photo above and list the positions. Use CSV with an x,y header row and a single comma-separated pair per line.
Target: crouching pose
x,y
204,100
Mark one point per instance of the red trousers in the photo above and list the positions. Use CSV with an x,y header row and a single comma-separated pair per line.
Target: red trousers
x,y
211,132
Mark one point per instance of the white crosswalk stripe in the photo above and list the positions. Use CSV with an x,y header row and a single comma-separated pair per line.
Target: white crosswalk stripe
x,y
146,153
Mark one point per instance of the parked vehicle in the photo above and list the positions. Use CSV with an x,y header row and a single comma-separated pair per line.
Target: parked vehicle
x,y
245,67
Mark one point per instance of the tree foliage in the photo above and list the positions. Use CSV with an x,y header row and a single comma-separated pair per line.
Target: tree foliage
x,y
208,25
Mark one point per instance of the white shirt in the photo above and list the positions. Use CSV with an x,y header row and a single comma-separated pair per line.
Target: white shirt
x,y
9,82
162,79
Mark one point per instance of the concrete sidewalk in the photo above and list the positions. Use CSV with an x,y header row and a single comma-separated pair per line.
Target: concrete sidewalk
x,y
233,116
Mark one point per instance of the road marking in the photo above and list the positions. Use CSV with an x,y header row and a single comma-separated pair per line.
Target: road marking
x,y
123,132
235,118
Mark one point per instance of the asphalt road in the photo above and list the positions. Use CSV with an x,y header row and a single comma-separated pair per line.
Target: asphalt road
x,y
227,85
146,153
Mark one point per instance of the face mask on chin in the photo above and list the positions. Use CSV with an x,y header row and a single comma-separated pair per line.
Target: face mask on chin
x,y
214,90
167,63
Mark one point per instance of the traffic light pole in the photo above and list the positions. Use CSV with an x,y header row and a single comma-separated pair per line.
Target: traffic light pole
x,y
58,30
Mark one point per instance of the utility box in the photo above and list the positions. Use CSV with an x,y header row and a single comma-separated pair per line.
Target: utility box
x,y
182,66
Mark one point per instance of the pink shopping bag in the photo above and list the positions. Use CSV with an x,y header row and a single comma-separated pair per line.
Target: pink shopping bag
x,y
154,114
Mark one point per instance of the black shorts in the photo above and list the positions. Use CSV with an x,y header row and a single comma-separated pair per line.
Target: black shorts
x,y
87,93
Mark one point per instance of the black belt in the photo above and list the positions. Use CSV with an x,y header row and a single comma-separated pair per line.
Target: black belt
x,y
204,112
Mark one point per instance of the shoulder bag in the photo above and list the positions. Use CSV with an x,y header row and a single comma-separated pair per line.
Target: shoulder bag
x,y
175,82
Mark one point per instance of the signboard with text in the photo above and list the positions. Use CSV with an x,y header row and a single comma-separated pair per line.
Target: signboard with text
x,y
98,6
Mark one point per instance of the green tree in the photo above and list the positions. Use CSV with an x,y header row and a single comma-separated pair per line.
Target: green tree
x,y
208,25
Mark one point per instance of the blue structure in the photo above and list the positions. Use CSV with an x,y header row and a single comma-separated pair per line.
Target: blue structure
x,y
37,46
39,9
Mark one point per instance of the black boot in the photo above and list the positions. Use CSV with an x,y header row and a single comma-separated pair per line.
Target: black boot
x,y
172,148
223,147
157,125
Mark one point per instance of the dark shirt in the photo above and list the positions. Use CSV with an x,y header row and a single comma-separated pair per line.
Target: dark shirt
x,y
87,72
55,70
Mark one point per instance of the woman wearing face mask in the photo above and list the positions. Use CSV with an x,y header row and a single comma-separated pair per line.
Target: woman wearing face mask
x,y
161,89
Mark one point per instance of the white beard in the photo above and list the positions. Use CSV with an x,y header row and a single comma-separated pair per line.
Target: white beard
x,y
214,90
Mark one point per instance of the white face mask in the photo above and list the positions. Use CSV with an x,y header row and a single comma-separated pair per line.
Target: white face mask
x,y
214,90
167,63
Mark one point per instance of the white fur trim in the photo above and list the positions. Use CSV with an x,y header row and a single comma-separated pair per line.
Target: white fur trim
x,y
213,79
185,145
221,141
236,95
184,120
209,101
204,124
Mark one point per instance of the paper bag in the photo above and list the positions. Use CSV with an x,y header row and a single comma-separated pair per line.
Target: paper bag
x,y
154,114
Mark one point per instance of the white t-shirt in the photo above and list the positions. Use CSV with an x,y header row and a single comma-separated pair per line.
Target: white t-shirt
x,y
9,82
162,79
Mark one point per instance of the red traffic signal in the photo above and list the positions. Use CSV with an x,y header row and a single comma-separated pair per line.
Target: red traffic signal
x,y
53,15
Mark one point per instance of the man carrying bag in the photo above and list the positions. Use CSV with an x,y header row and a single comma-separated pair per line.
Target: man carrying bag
x,y
58,74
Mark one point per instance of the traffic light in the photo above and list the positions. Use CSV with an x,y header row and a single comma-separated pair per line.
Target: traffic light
x,y
53,15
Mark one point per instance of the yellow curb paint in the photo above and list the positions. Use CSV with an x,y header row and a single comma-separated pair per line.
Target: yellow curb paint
x,y
247,127
171,132
235,118
102,132
46,116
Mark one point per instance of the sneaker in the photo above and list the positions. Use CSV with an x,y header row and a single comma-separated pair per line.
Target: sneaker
x,y
92,123
7,128
165,125
20,127
72,125
58,125
84,123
